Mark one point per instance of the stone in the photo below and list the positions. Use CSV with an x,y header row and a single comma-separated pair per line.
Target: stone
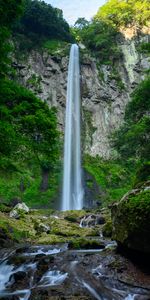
x,y
100,220
131,222
19,276
19,210
92,220
41,227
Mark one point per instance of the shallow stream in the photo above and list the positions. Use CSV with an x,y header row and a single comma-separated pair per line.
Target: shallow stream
x,y
54,272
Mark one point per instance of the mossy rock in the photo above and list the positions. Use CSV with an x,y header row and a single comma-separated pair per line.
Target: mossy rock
x,y
107,229
131,220
85,244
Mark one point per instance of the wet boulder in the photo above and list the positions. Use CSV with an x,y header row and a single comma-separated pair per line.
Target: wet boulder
x,y
92,220
19,276
131,220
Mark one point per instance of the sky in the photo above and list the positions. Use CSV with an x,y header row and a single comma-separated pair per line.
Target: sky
x,y
74,9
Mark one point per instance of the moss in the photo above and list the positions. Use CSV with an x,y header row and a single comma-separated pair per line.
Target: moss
x,y
85,244
17,230
107,229
131,220
4,208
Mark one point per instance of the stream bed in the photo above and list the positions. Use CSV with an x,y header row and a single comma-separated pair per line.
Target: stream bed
x,y
55,272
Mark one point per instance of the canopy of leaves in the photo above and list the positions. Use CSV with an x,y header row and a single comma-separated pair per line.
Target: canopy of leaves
x,y
120,13
99,37
9,12
42,21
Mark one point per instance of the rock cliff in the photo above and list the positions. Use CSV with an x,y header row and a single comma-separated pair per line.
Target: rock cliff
x,y
105,89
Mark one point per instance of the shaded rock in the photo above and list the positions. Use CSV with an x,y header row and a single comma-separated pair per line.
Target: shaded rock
x,y
131,222
100,220
18,276
14,201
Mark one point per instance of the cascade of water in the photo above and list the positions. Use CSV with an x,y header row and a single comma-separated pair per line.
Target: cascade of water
x,y
72,181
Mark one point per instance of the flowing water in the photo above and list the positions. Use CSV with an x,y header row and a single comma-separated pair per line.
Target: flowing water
x,y
72,178
52,269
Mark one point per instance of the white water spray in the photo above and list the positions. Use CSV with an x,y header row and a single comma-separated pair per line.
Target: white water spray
x,y
72,181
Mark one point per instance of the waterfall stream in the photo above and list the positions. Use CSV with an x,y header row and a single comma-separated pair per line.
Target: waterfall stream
x,y
72,178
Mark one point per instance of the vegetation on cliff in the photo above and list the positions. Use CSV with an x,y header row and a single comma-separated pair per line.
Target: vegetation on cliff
x,y
99,37
132,145
30,144
125,13
40,22
101,34
132,140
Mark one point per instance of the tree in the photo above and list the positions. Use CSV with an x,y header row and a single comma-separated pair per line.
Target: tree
x,y
99,37
81,23
9,12
42,21
121,13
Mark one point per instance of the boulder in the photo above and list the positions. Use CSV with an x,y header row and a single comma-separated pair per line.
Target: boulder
x,y
19,210
92,220
131,220
41,227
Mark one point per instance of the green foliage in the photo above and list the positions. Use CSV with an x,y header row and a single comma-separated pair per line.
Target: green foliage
x,y
57,47
41,22
100,38
9,12
144,48
28,128
132,140
27,122
29,143
114,178
122,13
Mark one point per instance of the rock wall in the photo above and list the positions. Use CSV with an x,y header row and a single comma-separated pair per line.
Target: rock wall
x,y
105,89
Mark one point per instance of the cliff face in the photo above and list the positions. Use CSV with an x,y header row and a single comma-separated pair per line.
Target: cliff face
x,y
105,89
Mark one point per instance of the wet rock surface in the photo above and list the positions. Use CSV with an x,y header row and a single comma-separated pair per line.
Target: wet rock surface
x,y
92,220
54,272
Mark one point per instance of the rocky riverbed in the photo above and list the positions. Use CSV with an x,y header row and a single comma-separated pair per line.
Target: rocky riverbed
x,y
55,272
67,257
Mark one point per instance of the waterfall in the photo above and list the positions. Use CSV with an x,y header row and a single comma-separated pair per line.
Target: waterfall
x,y
72,197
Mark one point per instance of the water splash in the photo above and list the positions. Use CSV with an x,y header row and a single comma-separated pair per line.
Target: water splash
x,y
51,278
72,181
